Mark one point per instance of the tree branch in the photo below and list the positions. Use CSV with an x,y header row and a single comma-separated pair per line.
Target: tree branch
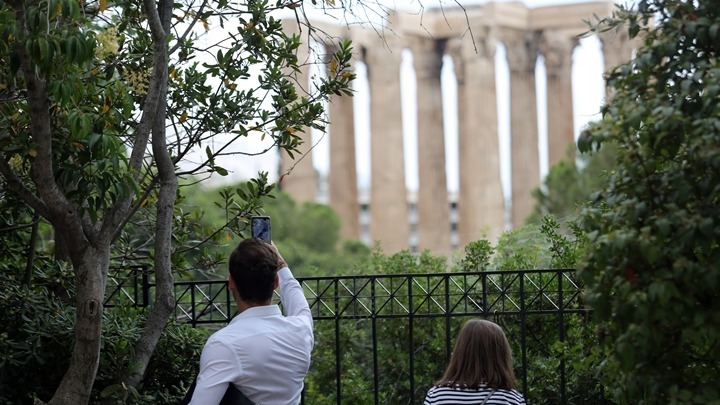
x,y
189,29
164,299
17,186
52,203
116,215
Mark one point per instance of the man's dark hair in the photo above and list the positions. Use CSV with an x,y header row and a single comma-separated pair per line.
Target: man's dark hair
x,y
253,266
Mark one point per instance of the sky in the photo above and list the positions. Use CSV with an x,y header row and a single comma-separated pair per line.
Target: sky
x,y
588,91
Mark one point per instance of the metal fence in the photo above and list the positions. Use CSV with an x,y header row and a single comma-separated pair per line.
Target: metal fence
x,y
412,319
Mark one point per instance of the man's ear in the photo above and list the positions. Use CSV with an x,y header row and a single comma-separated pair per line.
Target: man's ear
x,y
231,283
276,282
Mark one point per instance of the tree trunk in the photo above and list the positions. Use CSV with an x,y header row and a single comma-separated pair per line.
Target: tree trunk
x,y
164,297
62,253
91,270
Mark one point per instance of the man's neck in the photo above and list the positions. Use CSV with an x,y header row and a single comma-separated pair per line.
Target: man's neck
x,y
242,305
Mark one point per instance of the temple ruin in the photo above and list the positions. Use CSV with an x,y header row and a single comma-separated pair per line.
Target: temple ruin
x,y
429,220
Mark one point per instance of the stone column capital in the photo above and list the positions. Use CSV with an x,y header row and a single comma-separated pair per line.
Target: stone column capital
x,y
382,63
616,47
456,49
615,39
481,44
557,48
522,49
380,53
467,51
427,56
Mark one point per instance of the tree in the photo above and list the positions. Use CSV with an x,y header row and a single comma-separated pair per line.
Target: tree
x,y
652,268
568,185
100,102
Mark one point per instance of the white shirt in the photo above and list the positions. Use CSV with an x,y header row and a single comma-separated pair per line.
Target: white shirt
x,y
264,354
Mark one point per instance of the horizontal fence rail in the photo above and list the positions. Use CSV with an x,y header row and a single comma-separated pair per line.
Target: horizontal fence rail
x,y
423,312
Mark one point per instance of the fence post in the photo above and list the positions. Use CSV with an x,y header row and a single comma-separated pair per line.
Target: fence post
x,y
523,332
448,347
561,323
376,371
411,338
145,286
338,370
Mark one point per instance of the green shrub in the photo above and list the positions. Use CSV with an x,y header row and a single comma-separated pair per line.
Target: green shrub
x,y
652,271
172,366
38,336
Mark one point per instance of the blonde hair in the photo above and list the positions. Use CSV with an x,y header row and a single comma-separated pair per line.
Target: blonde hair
x,y
482,355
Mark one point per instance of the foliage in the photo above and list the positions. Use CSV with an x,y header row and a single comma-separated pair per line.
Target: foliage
x,y
389,336
477,256
206,223
522,248
552,245
550,346
101,106
308,234
169,372
565,252
570,183
652,266
38,335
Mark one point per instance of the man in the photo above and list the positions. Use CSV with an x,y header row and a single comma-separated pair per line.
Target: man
x,y
262,353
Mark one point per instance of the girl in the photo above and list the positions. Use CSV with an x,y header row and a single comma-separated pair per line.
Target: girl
x,y
480,369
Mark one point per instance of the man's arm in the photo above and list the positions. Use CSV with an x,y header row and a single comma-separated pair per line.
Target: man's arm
x,y
217,368
291,293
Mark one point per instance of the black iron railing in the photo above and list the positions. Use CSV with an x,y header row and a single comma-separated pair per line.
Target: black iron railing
x,y
371,319
128,284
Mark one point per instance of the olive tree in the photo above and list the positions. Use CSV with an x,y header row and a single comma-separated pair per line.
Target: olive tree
x,y
101,102
652,268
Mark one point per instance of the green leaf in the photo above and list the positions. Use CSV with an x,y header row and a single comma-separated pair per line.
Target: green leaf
x,y
209,154
43,48
110,390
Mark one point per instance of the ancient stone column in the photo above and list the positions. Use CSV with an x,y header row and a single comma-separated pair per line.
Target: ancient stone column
x,y
557,47
433,228
342,175
388,194
522,55
297,175
480,204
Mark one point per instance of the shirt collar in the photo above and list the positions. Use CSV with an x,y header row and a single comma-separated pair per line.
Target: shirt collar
x,y
261,311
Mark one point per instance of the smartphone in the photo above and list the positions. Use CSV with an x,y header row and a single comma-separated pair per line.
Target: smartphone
x,y
260,227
